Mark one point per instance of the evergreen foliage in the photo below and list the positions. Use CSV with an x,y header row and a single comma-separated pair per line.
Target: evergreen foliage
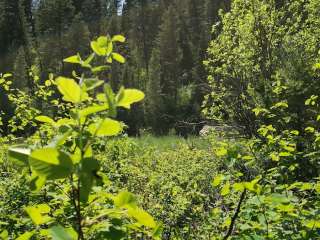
x,y
47,31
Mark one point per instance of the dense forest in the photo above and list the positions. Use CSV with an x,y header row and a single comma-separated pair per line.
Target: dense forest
x,y
164,56
159,119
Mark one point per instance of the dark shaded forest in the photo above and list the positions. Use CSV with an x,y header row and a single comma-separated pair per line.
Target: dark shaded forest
x,y
167,42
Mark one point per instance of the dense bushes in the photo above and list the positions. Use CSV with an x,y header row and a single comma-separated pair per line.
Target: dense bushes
x,y
262,48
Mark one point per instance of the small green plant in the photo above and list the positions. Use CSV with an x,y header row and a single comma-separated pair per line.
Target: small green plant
x,y
65,165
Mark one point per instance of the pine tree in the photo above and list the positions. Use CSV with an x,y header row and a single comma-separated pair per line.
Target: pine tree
x,y
53,19
154,101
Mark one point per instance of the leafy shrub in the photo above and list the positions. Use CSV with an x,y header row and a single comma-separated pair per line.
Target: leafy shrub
x,y
79,203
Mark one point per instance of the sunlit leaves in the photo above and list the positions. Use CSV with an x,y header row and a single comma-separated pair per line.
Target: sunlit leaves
x,y
221,152
105,127
142,217
225,190
50,163
217,180
118,38
103,46
73,59
125,199
38,213
60,233
70,90
19,154
26,236
88,175
119,58
92,110
45,119
128,97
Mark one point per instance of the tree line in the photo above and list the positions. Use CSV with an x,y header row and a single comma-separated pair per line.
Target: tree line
x,y
167,42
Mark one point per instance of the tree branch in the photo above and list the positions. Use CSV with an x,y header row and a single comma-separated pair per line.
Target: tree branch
x,y
235,216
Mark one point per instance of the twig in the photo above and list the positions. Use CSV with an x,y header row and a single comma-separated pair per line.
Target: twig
x,y
235,216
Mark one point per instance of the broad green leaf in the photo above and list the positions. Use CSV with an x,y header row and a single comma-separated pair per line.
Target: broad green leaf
x,y
45,119
50,163
118,38
312,224
73,59
277,198
93,109
26,236
88,175
221,152
100,51
310,129
217,180
128,97
225,189
60,233
142,217
4,235
19,154
105,127
286,208
238,187
103,41
7,75
253,186
101,97
38,214
119,58
125,199
37,182
70,90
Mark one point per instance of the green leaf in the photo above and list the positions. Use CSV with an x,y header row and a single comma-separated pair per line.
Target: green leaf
x,y
225,189
73,59
50,163
128,97
37,182
238,187
16,154
310,130
312,224
105,127
100,68
142,217
97,49
125,199
88,175
119,58
93,109
36,213
45,119
118,38
217,180
60,233
70,90
221,152
7,75
103,41
4,235
26,236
